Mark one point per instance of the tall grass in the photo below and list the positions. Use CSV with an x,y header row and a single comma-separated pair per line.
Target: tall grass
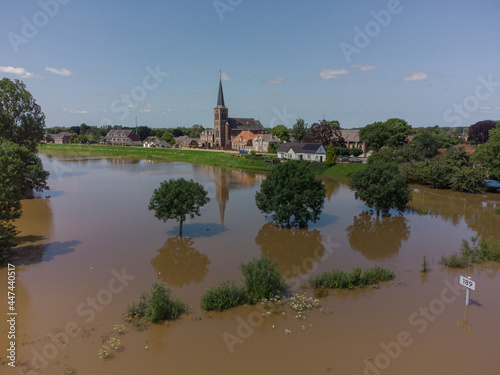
x,y
223,296
262,279
347,280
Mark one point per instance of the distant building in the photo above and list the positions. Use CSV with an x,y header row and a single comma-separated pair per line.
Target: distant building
x,y
123,137
243,141
261,142
455,148
302,151
185,141
62,137
226,128
155,142
207,139
351,139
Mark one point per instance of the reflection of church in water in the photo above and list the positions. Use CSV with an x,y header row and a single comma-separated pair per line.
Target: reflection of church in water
x,y
231,179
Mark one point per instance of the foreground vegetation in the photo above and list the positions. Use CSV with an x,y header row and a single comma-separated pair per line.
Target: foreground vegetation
x,y
476,252
156,306
338,279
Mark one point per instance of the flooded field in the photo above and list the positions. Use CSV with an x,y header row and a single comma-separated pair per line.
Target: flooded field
x,y
89,247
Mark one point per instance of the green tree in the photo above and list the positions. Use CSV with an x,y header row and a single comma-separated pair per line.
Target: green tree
x,y
330,155
282,132
488,154
169,138
292,194
178,199
392,133
21,119
272,148
381,186
299,130
195,131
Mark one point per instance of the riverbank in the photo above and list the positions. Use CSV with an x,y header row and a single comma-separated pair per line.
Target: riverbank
x,y
226,159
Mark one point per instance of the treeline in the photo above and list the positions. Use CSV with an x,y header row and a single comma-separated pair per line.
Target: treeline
x,y
426,155
94,134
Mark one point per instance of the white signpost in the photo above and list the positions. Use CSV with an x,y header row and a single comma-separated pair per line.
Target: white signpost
x,y
469,284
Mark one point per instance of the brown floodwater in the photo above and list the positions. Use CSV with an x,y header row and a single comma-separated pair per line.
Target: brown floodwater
x,y
89,247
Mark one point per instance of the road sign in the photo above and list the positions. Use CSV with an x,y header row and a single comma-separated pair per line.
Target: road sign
x,y
468,283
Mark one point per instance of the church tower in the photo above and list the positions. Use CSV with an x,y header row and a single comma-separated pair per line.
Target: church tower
x,y
221,130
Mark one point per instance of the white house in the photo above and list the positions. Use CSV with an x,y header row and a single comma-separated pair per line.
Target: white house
x,y
155,142
302,151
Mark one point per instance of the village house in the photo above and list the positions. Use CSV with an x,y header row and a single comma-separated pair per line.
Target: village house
x,y
455,148
352,140
123,137
62,137
186,142
302,151
207,138
243,141
261,142
155,142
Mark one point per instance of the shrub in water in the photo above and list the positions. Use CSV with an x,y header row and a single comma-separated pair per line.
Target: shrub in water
x,y
156,306
223,296
262,279
345,280
485,250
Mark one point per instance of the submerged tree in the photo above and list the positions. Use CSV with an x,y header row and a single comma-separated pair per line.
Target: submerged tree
x,y
382,186
292,194
178,199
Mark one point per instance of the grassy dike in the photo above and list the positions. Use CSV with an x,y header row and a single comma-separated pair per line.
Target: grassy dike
x,y
219,159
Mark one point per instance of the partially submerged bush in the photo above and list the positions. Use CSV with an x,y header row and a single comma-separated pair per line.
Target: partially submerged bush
x,y
223,296
347,280
262,279
156,306
484,250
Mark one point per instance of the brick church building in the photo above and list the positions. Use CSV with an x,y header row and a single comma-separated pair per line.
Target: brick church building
x,y
227,128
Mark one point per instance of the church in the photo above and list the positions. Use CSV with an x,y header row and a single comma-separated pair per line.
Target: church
x,y
227,128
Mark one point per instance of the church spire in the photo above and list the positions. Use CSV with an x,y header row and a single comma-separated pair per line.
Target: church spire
x,y
220,98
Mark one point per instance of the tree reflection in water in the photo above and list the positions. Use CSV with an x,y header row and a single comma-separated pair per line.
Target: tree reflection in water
x,y
295,250
178,263
377,237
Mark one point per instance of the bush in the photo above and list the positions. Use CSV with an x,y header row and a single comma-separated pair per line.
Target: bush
x,y
262,279
497,210
345,280
223,296
156,306
484,250
356,152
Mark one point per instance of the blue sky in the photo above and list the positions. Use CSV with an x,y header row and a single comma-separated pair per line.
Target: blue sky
x,y
355,61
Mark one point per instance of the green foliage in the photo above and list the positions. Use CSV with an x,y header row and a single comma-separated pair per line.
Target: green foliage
x,y
497,210
282,132
392,133
338,279
477,251
223,296
382,187
168,137
330,155
292,194
488,154
470,180
355,151
299,130
272,148
178,199
262,279
21,119
157,305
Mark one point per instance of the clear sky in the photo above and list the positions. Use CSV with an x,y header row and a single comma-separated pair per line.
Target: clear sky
x,y
355,61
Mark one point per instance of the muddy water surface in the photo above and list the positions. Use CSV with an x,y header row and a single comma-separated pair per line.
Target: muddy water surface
x,y
89,247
